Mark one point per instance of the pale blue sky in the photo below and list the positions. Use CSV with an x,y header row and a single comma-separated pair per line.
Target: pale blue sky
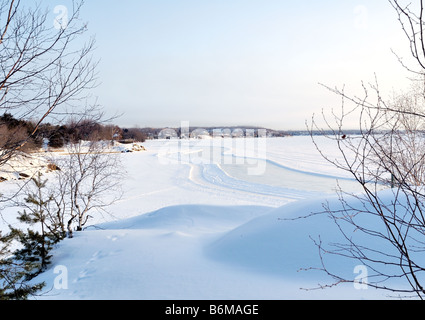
x,y
238,62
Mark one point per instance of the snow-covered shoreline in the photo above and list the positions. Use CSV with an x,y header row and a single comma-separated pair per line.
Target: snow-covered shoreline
x,y
184,231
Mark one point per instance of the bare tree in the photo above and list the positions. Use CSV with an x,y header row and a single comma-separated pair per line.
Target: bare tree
x,y
89,181
382,230
384,155
42,73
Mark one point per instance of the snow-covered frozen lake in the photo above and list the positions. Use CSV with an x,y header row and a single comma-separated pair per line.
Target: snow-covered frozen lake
x,y
205,219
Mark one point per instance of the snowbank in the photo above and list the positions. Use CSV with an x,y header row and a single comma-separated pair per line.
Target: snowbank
x,y
193,218
204,252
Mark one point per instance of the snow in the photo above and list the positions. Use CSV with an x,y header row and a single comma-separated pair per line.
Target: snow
x,y
22,165
208,219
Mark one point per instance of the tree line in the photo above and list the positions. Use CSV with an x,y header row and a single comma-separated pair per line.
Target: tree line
x,y
13,132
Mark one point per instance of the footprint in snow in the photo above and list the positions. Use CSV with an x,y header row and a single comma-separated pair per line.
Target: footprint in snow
x,y
115,237
84,274
96,256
